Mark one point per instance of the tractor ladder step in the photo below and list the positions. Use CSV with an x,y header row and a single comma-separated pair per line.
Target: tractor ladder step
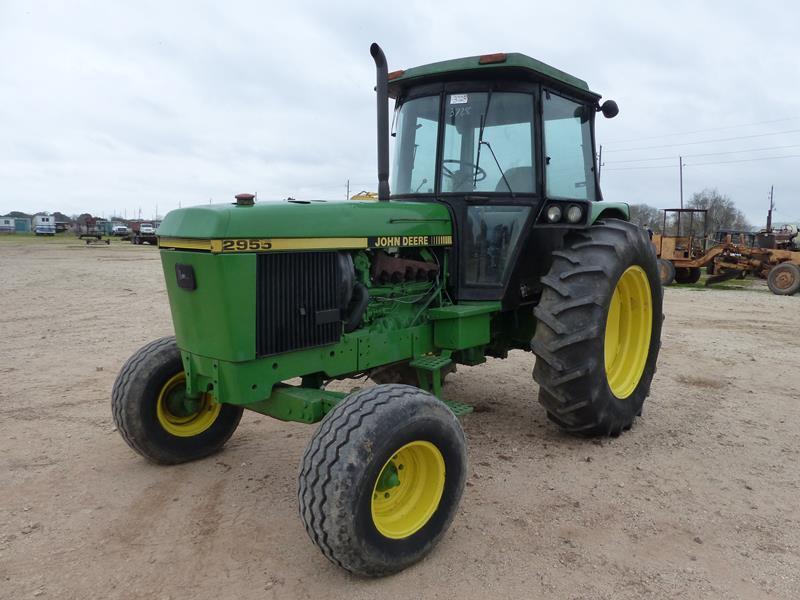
x,y
430,362
429,371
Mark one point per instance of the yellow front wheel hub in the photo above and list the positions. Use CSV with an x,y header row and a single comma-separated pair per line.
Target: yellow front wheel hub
x,y
181,416
408,490
628,329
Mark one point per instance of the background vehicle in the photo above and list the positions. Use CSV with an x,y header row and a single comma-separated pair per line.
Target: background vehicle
x,y
681,248
143,233
772,254
120,230
44,225
92,233
493,238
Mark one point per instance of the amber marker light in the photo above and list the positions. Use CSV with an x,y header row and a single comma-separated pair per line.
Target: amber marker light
x,y
488,59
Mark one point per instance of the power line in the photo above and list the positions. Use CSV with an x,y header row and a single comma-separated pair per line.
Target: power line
x,y
730,139
724,162
656,137
638,168
635,160
728,162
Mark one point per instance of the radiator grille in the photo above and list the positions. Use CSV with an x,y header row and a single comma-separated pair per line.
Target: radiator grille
x,y
293,292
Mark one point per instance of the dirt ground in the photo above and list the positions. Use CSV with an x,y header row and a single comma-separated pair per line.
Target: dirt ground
x,y
698,500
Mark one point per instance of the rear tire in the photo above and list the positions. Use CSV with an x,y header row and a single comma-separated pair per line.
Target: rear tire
x,y
602,296
784,279
370,448
666,271
141,404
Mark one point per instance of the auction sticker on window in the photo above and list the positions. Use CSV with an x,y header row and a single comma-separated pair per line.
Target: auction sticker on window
x,y
459,99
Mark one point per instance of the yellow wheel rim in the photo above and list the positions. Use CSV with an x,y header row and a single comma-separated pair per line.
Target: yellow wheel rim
x,y
628,329
183,417
408,490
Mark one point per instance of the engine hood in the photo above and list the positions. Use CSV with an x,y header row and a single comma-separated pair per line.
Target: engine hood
x,y
307,219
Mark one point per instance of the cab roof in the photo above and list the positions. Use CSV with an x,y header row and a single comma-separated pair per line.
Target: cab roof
x,y
488,66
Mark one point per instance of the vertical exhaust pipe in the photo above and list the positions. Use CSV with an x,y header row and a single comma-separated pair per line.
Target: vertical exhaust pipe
x,y
382,89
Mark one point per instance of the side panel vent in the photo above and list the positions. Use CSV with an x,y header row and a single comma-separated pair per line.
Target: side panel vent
x,y
297,301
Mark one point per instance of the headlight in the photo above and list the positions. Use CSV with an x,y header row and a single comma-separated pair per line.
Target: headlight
x,y
574,213
554,214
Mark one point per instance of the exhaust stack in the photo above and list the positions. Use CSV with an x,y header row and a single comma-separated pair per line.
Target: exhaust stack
x,y
382,89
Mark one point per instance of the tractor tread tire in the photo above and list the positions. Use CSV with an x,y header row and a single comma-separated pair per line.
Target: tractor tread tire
x,y
334,452
134,386
569,337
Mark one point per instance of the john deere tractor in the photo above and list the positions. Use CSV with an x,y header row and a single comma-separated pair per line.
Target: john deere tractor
x,y
492,237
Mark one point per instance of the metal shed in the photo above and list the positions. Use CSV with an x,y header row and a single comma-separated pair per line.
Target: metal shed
x,y
22,225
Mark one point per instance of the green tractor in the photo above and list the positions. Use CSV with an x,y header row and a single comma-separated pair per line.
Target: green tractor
x,y
493,238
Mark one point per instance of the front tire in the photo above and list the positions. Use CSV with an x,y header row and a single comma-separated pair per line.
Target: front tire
x,y
784,279
666,271
381,479
599,329
154,417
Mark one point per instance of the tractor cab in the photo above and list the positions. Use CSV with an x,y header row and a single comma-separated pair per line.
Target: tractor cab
x,y
507,143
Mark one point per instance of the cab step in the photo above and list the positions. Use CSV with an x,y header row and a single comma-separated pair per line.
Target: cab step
x,y
459,409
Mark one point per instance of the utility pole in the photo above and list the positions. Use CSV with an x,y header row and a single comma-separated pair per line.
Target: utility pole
x,y
600,162
680,167
771,208
347,197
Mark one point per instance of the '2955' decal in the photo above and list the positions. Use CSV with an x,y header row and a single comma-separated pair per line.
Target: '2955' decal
x,y
246,245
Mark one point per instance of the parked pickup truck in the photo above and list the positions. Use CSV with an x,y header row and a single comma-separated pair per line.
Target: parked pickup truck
x,y
144,233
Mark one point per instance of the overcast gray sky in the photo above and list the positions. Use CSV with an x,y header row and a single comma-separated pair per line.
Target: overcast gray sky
x,y
119,106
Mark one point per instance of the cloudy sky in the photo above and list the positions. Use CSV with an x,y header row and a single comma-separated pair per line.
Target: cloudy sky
x,y
112,106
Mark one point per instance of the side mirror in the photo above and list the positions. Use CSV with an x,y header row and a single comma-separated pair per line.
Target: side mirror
x,y
609,109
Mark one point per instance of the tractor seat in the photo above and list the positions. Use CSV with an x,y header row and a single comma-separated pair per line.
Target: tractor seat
x,y
519,178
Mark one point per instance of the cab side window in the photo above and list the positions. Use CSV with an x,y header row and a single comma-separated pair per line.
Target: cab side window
x,y
569,163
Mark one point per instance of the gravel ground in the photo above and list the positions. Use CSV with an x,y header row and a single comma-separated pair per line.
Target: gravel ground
x,y
698,500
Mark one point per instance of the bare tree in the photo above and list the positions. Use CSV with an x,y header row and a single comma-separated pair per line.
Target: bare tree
x,y
644,214
722,212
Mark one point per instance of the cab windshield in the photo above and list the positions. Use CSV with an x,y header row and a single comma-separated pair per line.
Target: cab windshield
x,y
488,144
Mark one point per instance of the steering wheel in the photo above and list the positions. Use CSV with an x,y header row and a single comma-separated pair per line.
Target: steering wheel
x,y
449,173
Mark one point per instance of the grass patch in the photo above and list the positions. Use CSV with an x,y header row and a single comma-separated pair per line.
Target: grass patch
x,y
59,239
747,284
